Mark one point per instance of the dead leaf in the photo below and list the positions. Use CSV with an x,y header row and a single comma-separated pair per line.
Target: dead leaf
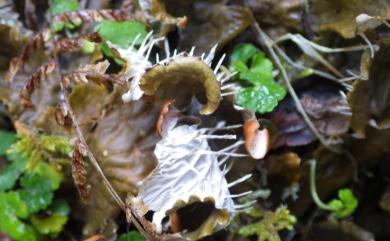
x,y
35,81
122,138
35,43
370,99
79,172
340,15
284,167
92,15
277,17
209,22
324,105
332,229
96,73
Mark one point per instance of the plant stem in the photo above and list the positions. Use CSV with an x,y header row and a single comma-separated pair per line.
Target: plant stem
x,y
313,189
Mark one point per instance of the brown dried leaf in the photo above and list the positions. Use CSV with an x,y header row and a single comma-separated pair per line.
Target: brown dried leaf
x,y
284,167
159,10
277,17
327,109
217,23
340,15
370,99
189,75
93,15
79,172
209,22
95,73
76,43
122,138
34,82
333,229
62,115
35,43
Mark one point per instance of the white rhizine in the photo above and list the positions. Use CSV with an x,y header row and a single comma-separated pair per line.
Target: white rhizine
x,y
137,62
188,171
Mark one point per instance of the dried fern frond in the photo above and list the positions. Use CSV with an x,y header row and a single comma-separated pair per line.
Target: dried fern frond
x,y
79,172
76,43
34,82
92,15
35,43
96,73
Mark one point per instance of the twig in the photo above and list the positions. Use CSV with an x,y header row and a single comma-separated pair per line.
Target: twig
x,y
266,41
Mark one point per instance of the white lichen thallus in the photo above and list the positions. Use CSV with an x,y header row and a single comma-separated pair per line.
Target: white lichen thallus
x,y
189,172
138,62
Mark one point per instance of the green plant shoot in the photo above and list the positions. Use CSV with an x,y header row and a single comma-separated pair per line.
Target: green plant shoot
x,y
261,93
342,207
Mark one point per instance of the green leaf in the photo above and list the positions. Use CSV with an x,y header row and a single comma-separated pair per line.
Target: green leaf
x,y
11,209
122,33
345,205
243,53
50,173
261,98
107,52
6,140
11,202
88,46
61,6
54,223
37,192
265,93
261,69
131,236
9,175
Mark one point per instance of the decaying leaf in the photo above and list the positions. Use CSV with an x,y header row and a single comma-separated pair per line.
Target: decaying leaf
x,y
284,167
332,229
217,22
91,15
96,73
35,43
62,115
340,15
76,43
158,10
121,137
190,75
370,99
327,109
34,82
79,172
281,15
